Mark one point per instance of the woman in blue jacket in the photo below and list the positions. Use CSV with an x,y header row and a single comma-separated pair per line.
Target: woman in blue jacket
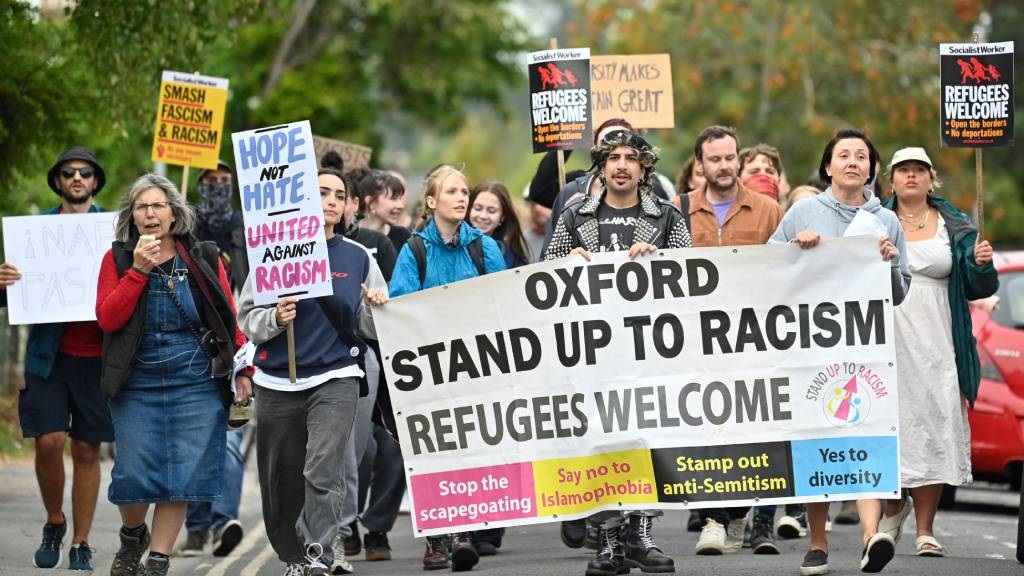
x,y
446,249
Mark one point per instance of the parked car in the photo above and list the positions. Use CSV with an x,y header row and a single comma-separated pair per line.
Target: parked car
x,y
997,419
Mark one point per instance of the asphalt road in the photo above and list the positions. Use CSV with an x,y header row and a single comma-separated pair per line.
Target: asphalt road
x,y
980,536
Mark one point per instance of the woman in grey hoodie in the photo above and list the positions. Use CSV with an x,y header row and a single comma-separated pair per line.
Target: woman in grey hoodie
x,y
849,163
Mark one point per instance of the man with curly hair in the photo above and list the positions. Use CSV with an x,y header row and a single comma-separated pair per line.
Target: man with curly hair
x,y
625,215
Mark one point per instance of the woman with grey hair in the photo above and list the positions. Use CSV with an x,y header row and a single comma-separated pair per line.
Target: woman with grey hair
x,y
169,336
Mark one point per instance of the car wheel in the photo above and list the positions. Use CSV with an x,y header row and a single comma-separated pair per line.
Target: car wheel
x,y
947,501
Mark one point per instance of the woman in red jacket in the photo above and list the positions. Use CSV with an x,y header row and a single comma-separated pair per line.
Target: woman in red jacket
x,y
168,317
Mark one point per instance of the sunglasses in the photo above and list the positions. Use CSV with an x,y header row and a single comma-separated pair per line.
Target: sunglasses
x,y
85,173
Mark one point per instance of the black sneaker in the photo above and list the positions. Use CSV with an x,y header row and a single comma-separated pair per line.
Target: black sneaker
x,y
610,560
848,514
464,554
761,540
195,544
353,543
80,557
815,563
377,546
592,541
573,532
158,566
226,537
694,523
127,560
641,551
48,554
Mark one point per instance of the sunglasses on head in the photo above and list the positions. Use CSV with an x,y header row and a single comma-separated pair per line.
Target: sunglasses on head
x,y
85,172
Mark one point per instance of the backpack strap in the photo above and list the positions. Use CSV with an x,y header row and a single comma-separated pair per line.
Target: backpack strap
x,y
419,251
476,252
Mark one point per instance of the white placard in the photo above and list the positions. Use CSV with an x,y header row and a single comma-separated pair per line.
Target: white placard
x,y
284,218
59,257
690,378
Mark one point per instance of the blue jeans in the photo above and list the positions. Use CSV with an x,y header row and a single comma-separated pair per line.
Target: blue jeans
x,y
212,515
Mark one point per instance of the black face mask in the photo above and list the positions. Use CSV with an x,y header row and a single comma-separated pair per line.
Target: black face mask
x,y
214,208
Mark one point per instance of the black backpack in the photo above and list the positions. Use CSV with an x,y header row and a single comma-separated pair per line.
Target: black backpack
x,y
419,251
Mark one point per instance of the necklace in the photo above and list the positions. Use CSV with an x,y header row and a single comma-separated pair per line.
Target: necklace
x,y
169,276
911,219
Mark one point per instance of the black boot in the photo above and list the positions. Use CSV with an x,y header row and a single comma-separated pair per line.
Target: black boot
x,y
609,560
641,551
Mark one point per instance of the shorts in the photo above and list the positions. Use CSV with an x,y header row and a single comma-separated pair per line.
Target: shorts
x,y
70,400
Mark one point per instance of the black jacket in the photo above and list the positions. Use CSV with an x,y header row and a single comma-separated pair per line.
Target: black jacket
x,y
119,348
659,224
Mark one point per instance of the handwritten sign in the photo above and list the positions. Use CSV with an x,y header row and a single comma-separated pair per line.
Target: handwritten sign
x,y
637,88
284,219
560,98
977,94
354,155
59,257
190,119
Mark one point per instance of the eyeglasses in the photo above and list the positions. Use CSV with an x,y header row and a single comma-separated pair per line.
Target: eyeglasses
x,y
156,206
69,172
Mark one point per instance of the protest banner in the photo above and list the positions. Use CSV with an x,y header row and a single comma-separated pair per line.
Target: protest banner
x,y
283,216
354,155
59,257
679,380
635,87
977,94
560,98
190,119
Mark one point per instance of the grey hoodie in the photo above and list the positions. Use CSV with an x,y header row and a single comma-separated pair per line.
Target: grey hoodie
x,y
829,217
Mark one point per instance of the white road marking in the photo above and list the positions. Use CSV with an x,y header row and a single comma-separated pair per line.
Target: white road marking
x,y
258,534
253,568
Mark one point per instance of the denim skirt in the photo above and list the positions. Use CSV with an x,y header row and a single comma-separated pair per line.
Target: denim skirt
x,y
169,419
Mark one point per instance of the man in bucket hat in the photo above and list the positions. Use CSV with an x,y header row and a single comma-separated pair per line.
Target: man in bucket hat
x,y
62,393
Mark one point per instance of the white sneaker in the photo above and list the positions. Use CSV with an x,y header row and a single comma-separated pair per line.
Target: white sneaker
x,y
340,564
734,535
712,539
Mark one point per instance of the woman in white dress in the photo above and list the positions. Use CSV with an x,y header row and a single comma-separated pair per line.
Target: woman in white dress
x,y
937,360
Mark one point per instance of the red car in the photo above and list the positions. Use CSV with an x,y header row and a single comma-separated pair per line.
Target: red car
x,y
997,420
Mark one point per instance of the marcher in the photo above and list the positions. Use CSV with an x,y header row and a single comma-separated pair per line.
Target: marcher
x,y
492,213
449,250
348,542
382,200
165,307
724,212
950,264
218,222
535,232
849,163
623,216
62,395
303,427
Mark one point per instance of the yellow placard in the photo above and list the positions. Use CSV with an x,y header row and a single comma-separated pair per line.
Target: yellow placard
x,y
190,119
636,87
575,485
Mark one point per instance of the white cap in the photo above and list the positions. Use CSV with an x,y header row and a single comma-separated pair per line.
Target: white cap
x,y
907,154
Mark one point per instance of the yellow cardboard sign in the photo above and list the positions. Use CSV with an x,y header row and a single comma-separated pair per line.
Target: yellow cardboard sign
x,y
190,119
637,88
353,155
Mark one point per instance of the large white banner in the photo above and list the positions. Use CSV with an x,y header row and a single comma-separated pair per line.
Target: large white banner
x,y
689,378
284,218
59,257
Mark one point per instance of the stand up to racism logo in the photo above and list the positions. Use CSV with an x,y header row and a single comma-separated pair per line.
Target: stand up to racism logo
x,y
977,94
560,98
